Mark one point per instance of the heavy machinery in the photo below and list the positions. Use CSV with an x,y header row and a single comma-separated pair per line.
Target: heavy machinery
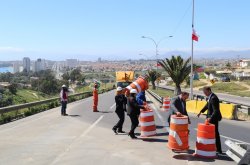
x,y
124,78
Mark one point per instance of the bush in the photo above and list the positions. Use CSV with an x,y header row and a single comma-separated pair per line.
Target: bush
x,y
28,113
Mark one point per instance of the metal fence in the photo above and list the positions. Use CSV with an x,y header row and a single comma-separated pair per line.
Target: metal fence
x,y
28,106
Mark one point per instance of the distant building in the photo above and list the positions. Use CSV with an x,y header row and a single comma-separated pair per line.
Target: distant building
x,y
72,63
16,67
244,63
99,59
26,64
39,65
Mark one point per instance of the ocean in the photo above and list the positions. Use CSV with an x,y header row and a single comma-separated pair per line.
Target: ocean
x,y
6,69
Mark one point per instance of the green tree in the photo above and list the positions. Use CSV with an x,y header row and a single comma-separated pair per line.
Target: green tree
x,y
178,69
13,88
48,83
153,75
76,75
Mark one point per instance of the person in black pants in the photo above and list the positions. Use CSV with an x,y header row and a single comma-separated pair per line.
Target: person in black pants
x,y
121,102
213,114
133,111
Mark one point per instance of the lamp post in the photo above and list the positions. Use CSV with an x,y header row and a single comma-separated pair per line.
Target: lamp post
x,y
156,48
156,45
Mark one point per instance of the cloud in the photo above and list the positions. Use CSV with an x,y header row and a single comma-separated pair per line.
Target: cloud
x,y
10,49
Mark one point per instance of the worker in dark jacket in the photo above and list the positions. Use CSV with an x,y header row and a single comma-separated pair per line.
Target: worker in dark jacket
x,y
133,110
121,102
213,114
178,106
141,98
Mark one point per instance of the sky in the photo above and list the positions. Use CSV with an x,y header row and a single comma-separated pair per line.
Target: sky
x,y
112,29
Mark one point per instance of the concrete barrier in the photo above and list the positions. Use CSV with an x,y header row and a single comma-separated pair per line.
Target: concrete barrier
x,y
227,110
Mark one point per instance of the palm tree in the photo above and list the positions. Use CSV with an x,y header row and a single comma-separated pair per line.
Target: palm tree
x,y
177,69
153,75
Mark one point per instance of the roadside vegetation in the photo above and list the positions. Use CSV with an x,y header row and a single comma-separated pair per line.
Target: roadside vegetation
x,y
162,92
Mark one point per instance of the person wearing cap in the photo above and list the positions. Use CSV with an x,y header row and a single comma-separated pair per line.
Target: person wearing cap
x,y
121,102
133,111
64,99
95,98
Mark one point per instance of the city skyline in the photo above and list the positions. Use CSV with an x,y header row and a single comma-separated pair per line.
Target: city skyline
x,y
87,30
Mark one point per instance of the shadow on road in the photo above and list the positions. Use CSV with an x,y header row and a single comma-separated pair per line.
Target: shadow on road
x,y
190,157
105,112
160,127
74,115
162,134
154,140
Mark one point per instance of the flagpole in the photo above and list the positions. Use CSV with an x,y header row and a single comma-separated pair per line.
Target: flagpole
x,y
192,59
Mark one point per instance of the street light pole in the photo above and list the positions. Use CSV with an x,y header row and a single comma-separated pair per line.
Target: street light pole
x,y
156,49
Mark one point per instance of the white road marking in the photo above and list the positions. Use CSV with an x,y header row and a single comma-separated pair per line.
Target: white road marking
x,y
156,111
226,137
58,158
113,106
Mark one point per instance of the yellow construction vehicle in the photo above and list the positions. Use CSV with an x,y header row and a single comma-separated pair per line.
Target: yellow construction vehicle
x,y
124,78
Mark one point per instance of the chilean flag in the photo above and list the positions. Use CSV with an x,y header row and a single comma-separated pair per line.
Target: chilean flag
x,y
158,64
195,36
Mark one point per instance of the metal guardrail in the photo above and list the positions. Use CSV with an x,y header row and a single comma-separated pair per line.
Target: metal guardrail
x,y
37,103
47,101
156,96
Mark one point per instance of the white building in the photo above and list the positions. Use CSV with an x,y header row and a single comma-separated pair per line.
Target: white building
x,y
16,67
26,64
244,63
72,63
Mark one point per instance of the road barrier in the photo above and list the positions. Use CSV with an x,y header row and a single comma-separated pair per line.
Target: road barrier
x,y
178,133
205,143
147,123
228,110
238,152
166,104
241,107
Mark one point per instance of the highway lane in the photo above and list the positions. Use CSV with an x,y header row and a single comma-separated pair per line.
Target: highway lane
x,y
85,137
222,96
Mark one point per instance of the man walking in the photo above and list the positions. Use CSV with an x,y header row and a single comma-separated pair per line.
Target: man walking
x,y
213,114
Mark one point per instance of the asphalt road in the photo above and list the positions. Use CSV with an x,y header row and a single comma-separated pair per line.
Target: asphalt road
x,y
225,97
85,137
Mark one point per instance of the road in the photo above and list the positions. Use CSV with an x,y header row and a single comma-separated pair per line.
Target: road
x,y
85,137
225,97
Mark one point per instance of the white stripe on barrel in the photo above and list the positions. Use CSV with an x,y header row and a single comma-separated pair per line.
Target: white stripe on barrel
x,y
205,153
145,124
150,133
137,86
147,114
179,121
205,141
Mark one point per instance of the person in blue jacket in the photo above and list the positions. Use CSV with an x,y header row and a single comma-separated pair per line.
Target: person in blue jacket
x,y
141,98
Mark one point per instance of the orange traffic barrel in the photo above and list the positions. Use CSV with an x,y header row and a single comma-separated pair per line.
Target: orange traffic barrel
x,y
178,133
205,144
147,123
141,84
166,104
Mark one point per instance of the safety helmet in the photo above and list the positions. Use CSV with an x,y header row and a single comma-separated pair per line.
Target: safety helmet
x,y
119,89
64,86
133,91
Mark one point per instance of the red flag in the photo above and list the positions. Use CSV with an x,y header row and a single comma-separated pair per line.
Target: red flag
x,y
158,64
195,36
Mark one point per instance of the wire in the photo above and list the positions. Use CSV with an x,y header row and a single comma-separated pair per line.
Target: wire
x,y
181,20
